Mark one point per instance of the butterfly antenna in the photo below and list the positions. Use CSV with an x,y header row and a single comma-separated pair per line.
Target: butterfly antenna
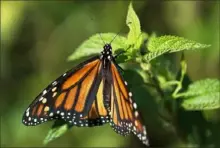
x,y
101,38
92,17
119,32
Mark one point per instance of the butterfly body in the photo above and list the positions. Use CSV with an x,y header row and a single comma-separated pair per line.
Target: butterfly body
x,y
92,94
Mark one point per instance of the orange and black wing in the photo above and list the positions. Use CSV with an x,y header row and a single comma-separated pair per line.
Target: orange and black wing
x,y
97,114
72,97
122,108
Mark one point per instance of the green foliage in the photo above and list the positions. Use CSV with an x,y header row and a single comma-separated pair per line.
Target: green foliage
x,y
173,44
203,87
202,102
178,83
161,45
57,130
134,36
201,95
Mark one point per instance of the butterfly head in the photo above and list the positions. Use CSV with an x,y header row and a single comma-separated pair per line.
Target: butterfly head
x,y
107,48
107,51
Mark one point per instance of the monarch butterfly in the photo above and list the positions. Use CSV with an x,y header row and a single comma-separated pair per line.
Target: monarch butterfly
x,y
92,94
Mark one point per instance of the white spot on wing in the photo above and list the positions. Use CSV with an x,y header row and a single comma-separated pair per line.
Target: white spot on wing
x,y
144,138
145,133
27,113
54,89
135,105
44,100
46,108
44,92
54,94
136,113
28,109
41,98
134,128
54,83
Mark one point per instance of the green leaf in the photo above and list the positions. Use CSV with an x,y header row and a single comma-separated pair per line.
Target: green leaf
x,y
173,44
152,55
202,102
94,45
58,129
203,87
134,35
202,95
167,44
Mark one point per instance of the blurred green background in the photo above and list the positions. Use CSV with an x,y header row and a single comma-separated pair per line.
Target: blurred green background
x,y
37,37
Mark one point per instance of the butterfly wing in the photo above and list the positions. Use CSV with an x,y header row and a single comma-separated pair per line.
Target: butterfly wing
x,y
124,116
70,97
98,114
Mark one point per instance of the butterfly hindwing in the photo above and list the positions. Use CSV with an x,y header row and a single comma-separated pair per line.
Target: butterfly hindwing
x,y
98,114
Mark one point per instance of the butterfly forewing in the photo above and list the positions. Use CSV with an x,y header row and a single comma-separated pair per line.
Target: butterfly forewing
x,y
69,97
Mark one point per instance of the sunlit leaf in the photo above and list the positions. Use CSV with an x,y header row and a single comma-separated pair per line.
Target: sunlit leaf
x,y
173,44
134,35
152,55
167,44
94,45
